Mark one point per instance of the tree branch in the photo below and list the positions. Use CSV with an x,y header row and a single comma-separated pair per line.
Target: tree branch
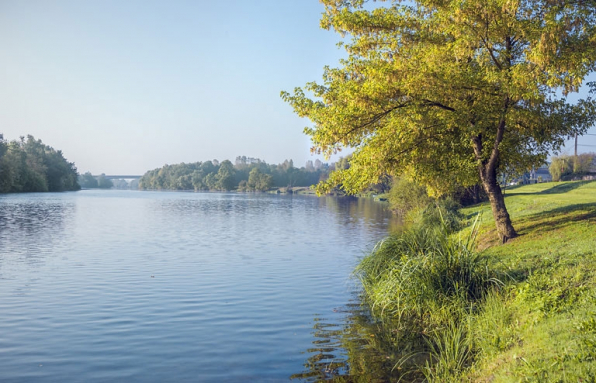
x,y
438,104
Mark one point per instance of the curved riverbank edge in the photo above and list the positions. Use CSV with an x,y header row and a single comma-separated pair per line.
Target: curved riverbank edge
x,y
538,320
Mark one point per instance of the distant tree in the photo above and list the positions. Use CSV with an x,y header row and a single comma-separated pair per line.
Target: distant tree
x,y
197,180
258,181
240,161
28,165
103,182
582,164
87,181
211,181
309,166
225,176
208,167
184,182
568,167
243,186
120,184
248,173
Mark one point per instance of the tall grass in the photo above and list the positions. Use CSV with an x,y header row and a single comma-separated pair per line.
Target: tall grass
x,y
448,316
450,353
426,280
423,269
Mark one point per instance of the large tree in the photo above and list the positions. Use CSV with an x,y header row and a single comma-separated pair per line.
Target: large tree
x,y
451,92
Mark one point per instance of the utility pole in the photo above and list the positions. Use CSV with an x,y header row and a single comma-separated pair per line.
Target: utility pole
x,y
576,146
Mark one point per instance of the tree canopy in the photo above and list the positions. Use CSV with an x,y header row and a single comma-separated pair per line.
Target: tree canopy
x,y
451,92
28,165
246,174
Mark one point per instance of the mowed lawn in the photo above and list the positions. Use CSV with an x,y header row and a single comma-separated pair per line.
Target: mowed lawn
x,y
542,326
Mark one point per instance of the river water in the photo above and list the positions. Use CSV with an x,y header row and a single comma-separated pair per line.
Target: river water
x,y
166,286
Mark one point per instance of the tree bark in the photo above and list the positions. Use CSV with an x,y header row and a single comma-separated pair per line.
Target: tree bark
x,y
488,175
505,229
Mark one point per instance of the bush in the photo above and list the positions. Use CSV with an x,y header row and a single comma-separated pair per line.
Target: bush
x,y
444,211
406,196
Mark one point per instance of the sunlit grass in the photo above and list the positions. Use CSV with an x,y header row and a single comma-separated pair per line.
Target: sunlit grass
x,y
520,312
425,281
536,329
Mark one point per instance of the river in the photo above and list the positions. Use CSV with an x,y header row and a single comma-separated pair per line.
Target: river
x,y
169,286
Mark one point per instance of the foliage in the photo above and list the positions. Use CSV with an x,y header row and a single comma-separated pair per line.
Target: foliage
x,y
406,196
258,181
536,324
450,353
566,167
424,281
451,92
87,181
246,174
225,176
411,273
28,165
103,182
444,210
414,205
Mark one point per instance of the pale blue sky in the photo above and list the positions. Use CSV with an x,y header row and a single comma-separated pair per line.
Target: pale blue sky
x,y
127,86
122,87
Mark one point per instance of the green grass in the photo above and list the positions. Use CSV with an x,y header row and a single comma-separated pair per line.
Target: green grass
x,y
424,282
522,312
542,326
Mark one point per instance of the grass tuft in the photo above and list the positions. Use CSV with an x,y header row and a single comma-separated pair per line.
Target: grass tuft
x,y
461,308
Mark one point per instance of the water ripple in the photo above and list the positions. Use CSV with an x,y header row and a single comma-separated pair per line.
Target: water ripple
x,y
143,286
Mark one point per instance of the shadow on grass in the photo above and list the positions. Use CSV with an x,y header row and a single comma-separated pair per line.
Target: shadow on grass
x,y
557,189
557,218
564,188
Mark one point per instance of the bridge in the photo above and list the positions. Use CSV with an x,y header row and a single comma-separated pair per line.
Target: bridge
x,y
123,177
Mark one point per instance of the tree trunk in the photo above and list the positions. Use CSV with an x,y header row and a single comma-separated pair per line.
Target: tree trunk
x,y
497,202
488,175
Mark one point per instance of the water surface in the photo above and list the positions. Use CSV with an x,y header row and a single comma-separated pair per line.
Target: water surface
x,y
149,286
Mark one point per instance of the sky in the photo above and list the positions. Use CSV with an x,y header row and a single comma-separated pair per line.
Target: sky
x,y
122,87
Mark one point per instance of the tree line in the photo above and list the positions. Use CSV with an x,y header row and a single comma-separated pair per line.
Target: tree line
x,y
564,167
28,165
88,181
245,174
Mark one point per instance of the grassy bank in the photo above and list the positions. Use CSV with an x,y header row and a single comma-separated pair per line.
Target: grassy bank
x,y
523,311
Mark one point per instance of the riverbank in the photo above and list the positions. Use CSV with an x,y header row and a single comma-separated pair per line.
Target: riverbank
x,y
293,190
535,322
544,328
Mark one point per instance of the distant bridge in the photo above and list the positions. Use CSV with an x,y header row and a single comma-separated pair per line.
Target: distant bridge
x,y
124,177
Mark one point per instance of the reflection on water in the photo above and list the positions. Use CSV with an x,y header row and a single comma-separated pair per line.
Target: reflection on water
x,y
27,224
357,349
356,211
211,287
